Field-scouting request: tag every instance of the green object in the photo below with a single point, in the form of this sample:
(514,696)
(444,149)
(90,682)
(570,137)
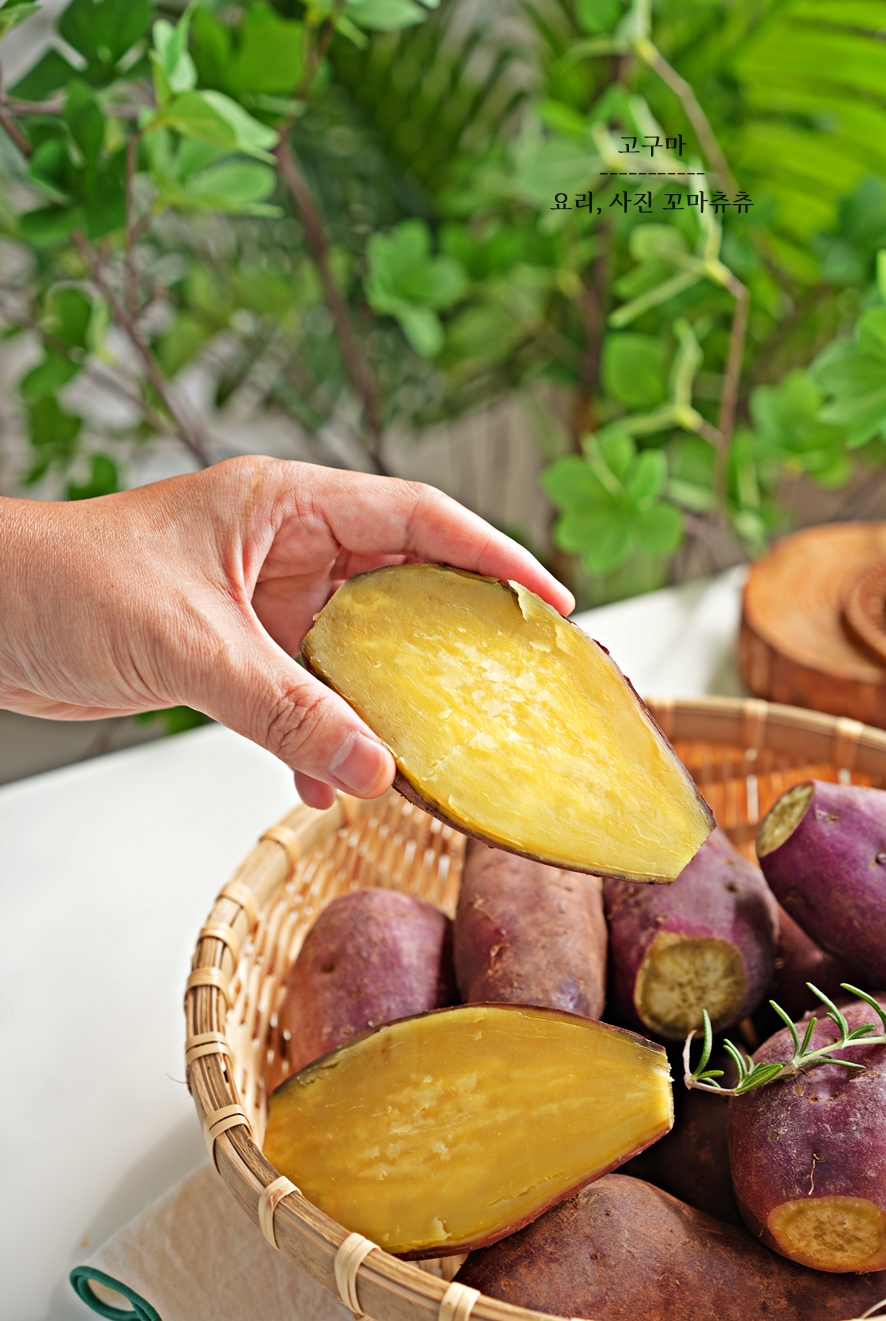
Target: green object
(82,1279)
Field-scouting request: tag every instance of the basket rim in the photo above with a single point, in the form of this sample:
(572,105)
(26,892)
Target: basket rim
(389,1287)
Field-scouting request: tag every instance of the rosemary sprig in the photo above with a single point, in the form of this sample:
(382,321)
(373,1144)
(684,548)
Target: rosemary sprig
(751,1075)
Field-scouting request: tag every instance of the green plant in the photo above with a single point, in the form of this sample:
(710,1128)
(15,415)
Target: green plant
(348,208)
(751,1075)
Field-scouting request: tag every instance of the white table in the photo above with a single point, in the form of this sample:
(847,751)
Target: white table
(107,872)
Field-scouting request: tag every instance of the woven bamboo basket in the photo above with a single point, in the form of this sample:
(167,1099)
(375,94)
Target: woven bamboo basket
(743,755)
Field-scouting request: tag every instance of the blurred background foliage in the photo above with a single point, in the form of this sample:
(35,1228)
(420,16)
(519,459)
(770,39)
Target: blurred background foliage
(348,210)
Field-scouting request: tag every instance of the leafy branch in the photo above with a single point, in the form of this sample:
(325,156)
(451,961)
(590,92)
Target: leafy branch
(751,1075)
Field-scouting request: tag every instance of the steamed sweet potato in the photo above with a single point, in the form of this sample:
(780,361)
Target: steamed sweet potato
(705,942)
(822,848)
(529,934)
(808,1154)
(447,1131)
(799,960)
(621,1250)
(371,956)
(507,722)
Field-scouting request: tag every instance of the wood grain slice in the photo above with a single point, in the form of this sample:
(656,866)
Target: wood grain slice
(794,646)
(864,609)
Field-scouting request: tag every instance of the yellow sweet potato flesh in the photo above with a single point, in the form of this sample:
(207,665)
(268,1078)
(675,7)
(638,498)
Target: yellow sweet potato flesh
(447,1131)
(508,721)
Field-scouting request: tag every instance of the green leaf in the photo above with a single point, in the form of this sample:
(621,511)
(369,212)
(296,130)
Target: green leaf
(214,118)
(104,479)
(51,72)
(51,224)
(544,166)
(171,54)
(385,15)
(658,530)
(633,369)
(616,448)
(180,342)
(69,314)
(662,243)
(47,377)
(872,334)
(84,118)
(14,12)
(569,484)
(601,536)
(421,326)
(239,187)
(53,433)
(269,56)
(598,15)
(647,477)
(104,32)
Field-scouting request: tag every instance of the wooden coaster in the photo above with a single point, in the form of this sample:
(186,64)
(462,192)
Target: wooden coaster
(864,609)
(794,645)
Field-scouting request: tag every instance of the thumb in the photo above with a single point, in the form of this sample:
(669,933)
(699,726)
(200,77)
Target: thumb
(266,696)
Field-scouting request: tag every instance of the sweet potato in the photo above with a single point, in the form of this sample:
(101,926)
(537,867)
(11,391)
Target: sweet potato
(822,848)
(808,1154)
(705,942)
(625,1251)
(799,960)
(447,1131)
(529,934)
(507,722)
(371,956)
(692,1161)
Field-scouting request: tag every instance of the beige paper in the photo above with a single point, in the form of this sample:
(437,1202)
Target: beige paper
(194,1256)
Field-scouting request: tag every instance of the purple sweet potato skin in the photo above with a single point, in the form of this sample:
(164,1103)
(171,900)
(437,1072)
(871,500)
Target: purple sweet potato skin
(625,1251)
(799,960)
(822,1134)
(830,875)
(526,933)
(371,957)
(719,894)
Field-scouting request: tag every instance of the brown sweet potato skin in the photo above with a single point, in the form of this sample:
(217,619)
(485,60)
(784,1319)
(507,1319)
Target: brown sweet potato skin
(372,956)
(526,933)
(625,1251)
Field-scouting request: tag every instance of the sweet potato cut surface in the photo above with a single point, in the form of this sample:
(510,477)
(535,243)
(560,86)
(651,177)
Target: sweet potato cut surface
(808,1154)
(529,934)
(450,1130)
(622,1250)
(508,722)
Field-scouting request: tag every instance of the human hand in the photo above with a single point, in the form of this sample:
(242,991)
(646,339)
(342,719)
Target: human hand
(199,590)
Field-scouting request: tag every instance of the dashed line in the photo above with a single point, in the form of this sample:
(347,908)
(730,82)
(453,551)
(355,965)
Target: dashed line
(619,174)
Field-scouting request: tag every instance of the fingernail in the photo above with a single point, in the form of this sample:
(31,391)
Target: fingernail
(359,763)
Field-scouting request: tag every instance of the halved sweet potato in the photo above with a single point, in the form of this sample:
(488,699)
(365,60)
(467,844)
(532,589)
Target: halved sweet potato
(506,721)
(450,1130)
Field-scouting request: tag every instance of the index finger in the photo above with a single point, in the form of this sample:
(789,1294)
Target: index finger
(394,517)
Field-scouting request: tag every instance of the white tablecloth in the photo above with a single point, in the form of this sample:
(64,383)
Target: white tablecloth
(107,872)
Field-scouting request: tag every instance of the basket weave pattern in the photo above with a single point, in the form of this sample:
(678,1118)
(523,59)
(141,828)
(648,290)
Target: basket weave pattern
(743,755)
